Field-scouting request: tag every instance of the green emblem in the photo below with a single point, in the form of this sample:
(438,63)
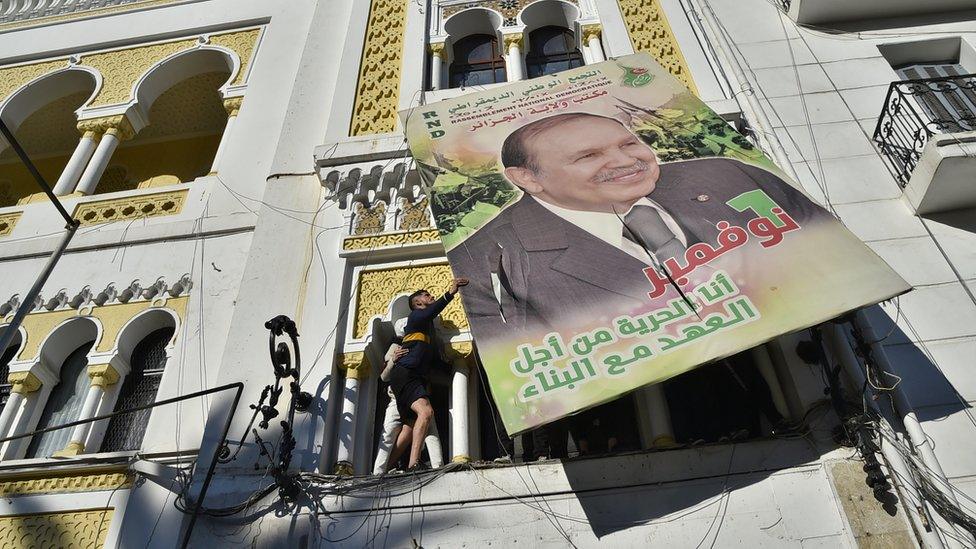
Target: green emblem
(637,77)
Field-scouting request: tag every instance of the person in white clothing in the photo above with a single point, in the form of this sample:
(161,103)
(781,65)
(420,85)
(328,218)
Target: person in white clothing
(391,419)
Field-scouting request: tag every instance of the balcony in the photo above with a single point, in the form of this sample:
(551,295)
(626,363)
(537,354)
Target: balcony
(820,12)
(927,137)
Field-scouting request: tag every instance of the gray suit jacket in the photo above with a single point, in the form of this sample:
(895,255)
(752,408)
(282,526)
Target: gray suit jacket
(548,268)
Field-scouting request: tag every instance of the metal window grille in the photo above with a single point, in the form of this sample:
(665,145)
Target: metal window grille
(148,362)
(935,99)
(5,386)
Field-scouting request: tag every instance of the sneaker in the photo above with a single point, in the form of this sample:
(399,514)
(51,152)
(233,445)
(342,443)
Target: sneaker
(503,460)
(419,467)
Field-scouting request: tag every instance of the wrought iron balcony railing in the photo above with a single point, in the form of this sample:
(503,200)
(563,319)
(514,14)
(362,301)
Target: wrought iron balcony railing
(915,110)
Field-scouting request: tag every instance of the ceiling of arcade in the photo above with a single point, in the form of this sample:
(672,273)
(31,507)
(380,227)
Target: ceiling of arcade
(35,133)
(191,107)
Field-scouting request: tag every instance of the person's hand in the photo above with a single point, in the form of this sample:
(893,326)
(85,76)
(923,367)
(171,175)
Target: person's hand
(400,353)
(457,283)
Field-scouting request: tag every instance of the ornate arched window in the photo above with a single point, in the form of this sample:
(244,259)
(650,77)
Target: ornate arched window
(63,404)
(552,49)
(477,61)
(148,361)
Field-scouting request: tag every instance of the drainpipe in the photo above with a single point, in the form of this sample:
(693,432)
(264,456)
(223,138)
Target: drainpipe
(840,348)
(920,441)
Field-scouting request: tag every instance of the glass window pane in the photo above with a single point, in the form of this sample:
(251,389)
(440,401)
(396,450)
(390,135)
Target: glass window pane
(63,405)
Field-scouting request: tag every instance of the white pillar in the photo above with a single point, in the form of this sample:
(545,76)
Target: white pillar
(117,130)
(460,450)
(591,37)
(436,65)
(23,384)
(356,366)
(102,376)
(10,410)
(233,106)
(76,164)
(760,356)
(657,415)
(514,65)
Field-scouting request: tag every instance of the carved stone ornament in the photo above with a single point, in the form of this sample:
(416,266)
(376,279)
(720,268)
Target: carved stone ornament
(649,31)
(378,288)
(378,91)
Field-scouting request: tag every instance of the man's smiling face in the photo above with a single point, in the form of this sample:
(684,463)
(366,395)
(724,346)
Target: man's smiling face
(589,163)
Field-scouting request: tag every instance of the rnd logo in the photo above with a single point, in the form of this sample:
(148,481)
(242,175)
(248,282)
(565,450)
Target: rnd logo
(432,124)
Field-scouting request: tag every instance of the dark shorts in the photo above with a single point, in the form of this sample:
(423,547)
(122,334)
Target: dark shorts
(408,387)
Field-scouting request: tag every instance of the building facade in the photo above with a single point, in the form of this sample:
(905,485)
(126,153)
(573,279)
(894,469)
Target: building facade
(234,160)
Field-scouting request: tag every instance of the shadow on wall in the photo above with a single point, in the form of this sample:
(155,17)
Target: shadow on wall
(928,390)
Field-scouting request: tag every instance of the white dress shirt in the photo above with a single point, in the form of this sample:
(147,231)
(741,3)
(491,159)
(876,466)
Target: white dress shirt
(607,226)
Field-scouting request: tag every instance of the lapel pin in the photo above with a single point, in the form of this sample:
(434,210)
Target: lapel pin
(702,198)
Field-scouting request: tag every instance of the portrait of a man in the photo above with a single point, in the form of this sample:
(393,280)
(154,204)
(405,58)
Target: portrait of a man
(598,208)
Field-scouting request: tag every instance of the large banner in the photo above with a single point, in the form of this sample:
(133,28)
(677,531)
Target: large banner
(617,232)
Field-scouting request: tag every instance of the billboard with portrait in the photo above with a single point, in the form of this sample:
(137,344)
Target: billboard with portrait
(617,232)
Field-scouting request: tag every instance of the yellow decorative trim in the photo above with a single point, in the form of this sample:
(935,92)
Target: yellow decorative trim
(120,69)
(591,30)
(64,529)
(12,78)
(64,483)
(112,317)
(514,39)
(387,240)
(8,221)
(663,441)
(243,43)
(233,105)
(356,365)
(461,458)
(437,48)
(74,448)
(132,207)
(117,125)
(343,469)
(413,215)
(376,289)
(462,349)
(102,375)
(649,31)
(378,89)
(23,382)
(85,14)
(369,220)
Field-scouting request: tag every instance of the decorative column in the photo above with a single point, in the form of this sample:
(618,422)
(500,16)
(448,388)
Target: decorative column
(23,383)
(356,366)
(436,64)
(115,129)
(233,106)
(463,358)
(654,406)
(760,356)
(514,65)
(102,376)
(591,37)
(76,164)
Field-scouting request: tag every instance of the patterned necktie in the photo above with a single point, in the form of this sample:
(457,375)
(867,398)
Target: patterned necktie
(645,227)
